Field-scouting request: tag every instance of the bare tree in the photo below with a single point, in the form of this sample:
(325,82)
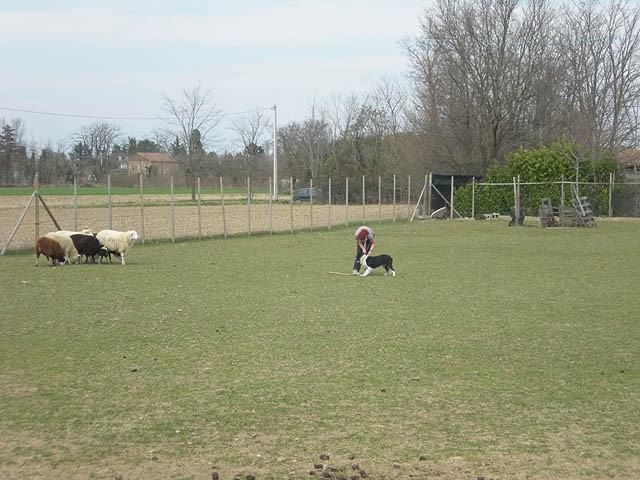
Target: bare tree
(602,55)
(250,130)
(391,97)
(476,68)
(493,75)
(341,113)
(306,145)
(193,120)
(18,126)
(98,140)
(162,138)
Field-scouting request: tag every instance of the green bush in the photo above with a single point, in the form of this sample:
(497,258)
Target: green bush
(539,172)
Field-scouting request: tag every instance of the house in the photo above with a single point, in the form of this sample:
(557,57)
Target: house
(629,159)
(157,164)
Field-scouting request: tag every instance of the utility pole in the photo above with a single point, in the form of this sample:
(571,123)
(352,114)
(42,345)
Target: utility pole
(275,152)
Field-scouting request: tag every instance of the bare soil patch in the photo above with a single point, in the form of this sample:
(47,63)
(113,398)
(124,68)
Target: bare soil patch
(156,219)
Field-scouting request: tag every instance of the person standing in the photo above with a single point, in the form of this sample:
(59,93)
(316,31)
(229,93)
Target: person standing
(365,241)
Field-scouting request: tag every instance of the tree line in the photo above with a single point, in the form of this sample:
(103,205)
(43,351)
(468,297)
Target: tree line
(485,78)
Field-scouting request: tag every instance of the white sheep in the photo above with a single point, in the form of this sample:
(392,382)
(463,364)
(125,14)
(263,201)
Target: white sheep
(117,242)
(64,239)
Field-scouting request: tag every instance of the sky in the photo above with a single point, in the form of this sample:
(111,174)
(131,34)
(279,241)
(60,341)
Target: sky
(77,62)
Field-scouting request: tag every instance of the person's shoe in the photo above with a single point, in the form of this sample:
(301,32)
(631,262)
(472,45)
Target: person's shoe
(355,272)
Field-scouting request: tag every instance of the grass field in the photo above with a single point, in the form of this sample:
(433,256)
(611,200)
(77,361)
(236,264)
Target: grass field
(496,352)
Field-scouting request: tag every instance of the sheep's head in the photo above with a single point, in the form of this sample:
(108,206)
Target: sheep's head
(133,235)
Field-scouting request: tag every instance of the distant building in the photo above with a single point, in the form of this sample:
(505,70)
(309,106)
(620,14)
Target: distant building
(629,159)
(152,164)
(123,163)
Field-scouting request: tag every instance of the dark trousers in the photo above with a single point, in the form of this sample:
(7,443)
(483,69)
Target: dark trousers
(356,262)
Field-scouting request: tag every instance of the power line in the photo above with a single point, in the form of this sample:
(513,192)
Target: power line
(103,117)
(72,115)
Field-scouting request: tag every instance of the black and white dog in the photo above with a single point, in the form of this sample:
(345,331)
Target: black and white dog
(375,261)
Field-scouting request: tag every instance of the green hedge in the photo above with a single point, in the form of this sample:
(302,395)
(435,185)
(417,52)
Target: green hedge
(545,166)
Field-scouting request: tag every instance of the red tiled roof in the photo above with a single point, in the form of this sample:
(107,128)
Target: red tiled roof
(153,158)
(629,157)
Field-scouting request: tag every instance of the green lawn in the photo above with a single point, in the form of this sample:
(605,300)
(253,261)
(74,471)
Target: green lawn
(495,352)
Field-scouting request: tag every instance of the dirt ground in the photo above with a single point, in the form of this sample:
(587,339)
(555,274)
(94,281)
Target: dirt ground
(318,466)
(22,221)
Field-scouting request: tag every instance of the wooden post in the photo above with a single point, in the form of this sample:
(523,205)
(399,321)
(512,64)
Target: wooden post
(425,207)
(141,207)
(408,196)
(429,192)
(15,229)
(199,210)
(379,199)
(346,202)
(36,182)
(172,216)
(224,216)
(329,206)
(272,195)
(249,206)
(75,200)
(364,195)
(311,204)
(394,198)
(109,202)
(451,199)
(516,195)
(473,197)
(291,204)
(611,185)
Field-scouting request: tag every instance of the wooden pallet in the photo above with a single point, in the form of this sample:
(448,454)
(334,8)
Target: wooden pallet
(583,209)
(547,213)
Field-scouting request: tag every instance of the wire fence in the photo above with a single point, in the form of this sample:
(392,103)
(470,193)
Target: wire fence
(257,209)
(174,217)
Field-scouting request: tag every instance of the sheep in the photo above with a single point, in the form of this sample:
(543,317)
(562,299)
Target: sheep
(117,242)
(107,254)
(65,241)
(72,252)
(88,245)
(104,253)
(51,249)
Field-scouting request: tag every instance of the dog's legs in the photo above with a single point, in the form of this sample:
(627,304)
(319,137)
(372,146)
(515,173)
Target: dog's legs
(367,271)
